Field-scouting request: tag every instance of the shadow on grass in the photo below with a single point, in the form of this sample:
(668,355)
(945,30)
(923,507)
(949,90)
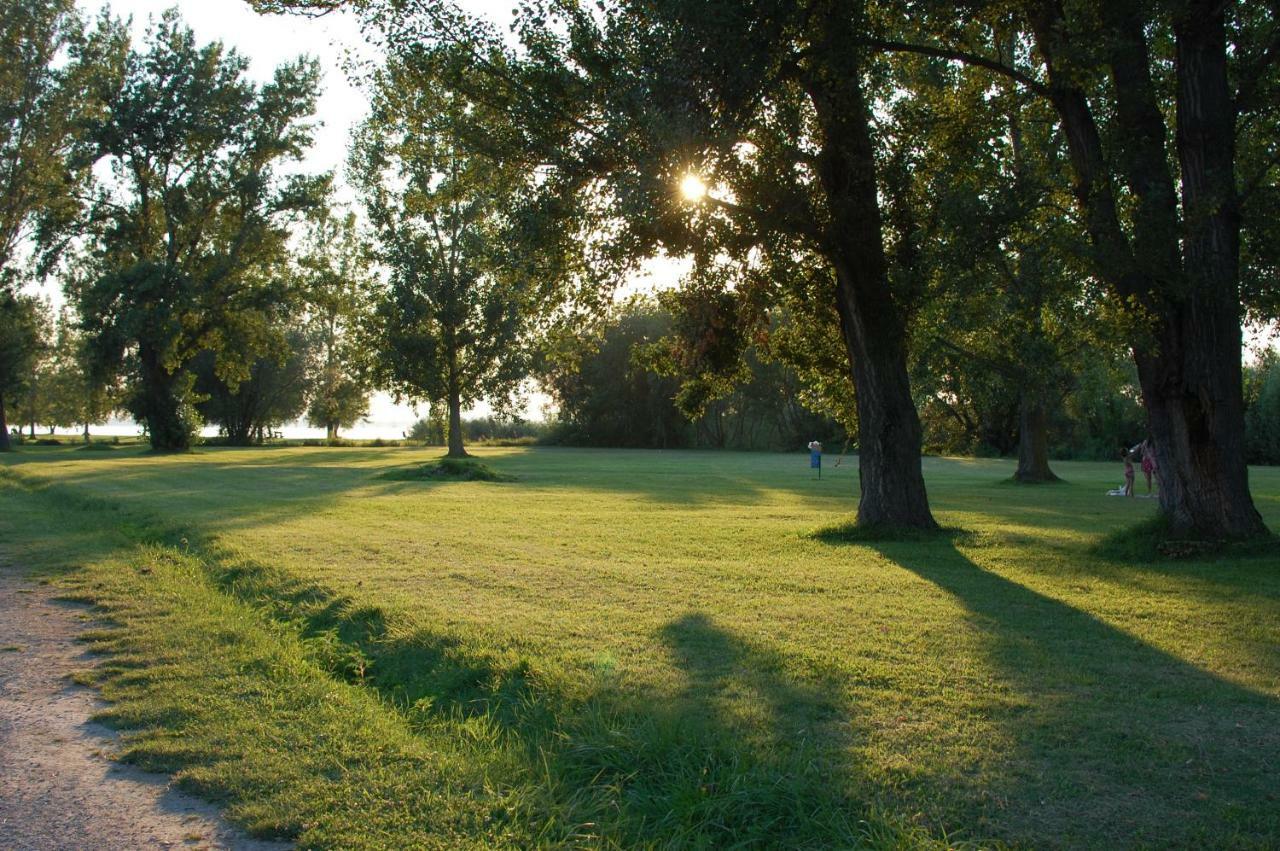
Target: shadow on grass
(1117,739)
(686,772)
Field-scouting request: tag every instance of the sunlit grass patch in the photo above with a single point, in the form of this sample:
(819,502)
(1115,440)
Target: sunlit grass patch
(637,649)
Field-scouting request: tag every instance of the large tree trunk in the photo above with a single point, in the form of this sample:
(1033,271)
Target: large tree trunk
(1033,441)
(161,405)
(456,449)
(872,321)
(1187,308)
(331,430)
(1197,413)
(86,432)
(5,443)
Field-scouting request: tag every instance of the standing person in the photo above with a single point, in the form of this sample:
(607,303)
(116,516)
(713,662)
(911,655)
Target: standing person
(1148,461)
(815,456)
(1128,472)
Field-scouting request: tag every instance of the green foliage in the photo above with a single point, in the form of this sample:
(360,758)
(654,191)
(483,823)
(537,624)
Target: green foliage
(457,320)
(274,393)
(187,248)
(337,286)
(51,78)
(1262,417)
(628,382)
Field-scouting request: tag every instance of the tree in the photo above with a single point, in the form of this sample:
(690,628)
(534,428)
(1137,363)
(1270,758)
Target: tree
(456,322)
(337,283)
(188,247)
(1008,318)
(22,332)
(1153,99)
(619,105)
(77,395)
(50,71)
(48,67)
(273,393)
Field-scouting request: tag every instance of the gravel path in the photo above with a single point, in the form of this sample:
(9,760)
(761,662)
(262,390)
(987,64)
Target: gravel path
(58,786)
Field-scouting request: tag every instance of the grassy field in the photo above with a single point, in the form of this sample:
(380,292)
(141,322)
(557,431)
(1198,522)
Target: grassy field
(662,649)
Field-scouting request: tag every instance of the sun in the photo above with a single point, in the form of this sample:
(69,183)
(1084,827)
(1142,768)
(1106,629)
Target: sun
(692,188)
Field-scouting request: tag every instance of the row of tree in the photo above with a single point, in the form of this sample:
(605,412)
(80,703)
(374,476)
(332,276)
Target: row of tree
(878,197)
(1060,172)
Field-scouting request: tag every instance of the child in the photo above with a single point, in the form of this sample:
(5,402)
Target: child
(1148,462)
(1128,473)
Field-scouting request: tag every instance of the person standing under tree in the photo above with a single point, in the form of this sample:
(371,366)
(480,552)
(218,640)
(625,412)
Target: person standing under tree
(1148,452)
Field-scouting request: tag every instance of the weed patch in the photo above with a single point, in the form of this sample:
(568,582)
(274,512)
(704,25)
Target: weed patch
(449,469)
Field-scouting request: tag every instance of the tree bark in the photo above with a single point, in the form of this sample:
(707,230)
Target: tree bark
(331,430)
(1033,442)
(86,432)
(456,449)
(873,323)
(5,443)
(162,408)
(1187,302)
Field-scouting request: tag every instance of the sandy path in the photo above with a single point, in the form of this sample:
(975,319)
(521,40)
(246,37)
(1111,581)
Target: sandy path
(58,786)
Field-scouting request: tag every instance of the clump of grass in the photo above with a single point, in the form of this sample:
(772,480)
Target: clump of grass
(449,469)
(852,533)
(97,447)
(1153,540)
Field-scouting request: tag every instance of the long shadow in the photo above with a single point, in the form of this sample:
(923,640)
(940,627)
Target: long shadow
(1115,738)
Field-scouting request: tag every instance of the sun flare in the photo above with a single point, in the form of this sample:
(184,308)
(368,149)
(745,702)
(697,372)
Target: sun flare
(692,187)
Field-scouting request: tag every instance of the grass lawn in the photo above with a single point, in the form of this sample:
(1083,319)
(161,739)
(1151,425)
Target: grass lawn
(629,648)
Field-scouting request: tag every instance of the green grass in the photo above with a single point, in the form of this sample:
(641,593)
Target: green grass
(663,649)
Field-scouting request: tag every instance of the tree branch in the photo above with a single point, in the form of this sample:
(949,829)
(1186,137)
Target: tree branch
(964,56)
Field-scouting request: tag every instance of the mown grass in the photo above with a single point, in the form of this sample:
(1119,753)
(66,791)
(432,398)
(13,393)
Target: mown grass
(666,649)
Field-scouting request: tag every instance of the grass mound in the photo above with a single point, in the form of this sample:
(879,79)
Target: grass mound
(449,469)
(97,447)
(852,533)
(1152,540)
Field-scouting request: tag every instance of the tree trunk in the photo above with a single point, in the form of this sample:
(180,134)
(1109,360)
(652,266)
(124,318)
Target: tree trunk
(331,430)
(456,449)
(162,408)
(872,322)
(86,432)
(1033,442)
(1188,345)
(5,443)
(1197,408)
(31,426)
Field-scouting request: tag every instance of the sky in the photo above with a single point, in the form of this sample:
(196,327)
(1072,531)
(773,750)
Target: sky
(268,41)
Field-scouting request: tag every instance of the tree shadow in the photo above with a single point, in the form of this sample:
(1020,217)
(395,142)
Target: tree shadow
(1114,737)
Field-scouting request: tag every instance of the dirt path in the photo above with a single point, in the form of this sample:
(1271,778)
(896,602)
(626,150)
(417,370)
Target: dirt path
(58,785)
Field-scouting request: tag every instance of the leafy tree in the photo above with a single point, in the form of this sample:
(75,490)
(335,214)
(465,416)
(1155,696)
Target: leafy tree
(22,342)
(273,393)
(620,104)
(337,283)
(1153,99)
(188,246)
(48,69)
(456,322)
(50,72)
(1262,416)
(77,394)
